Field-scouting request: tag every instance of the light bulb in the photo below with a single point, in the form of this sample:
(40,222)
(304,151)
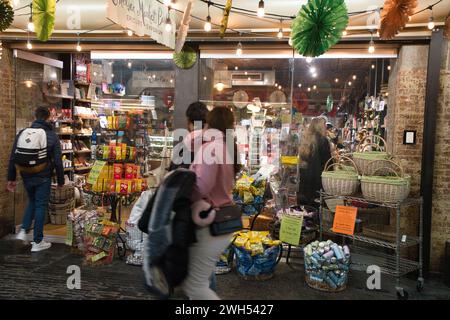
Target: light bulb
(309,89)
(389,68)
(261,9)
(314,75)
(205,78)
(309,60)
(208,24)
(431,23)
(349,83)
(373,66)
(336,80)
(276,84)
(236,68)
(167,2)
(280,87)
(344,33)
(280,34)
(29,45)
(129,64)
(112,75)
(130,33)
(239,49)
(168,26)
(314,87)
(313,70)
(354,77)
(290,41)
(299,85)
(220,86)
(371,47)
(78,47)
(30,25)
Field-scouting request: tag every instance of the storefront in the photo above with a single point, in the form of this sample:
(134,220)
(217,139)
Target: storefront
(116,103)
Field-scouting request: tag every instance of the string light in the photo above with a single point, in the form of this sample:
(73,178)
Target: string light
(78,46)
(290,41)
(220,86)
(239,49)
(280,32)
(208,26)
(236,68)
(313,70)
(389,68)
(349,83)
(354,77)
(130,64)
(168,26)
(299,85)
(309,60)
(261,12)
(431,23)
(371,44)
(30,25)
(373,66)
(130,33)
(344,33)
(336,80)
(314,87)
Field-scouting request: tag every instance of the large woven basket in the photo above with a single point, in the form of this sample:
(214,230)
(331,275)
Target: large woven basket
(363,157)
(62,194)
(386,189)
(341,182)
(59,211)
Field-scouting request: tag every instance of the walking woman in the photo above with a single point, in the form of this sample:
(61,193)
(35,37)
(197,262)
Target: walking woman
(314,154)
(215,181)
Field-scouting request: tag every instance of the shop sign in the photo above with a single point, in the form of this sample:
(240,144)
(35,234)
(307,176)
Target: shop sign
(143,17)
(344,220)
(160,79)
(291,229)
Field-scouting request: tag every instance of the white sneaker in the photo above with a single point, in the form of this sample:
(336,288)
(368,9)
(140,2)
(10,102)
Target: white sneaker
(22,235)
(40,246)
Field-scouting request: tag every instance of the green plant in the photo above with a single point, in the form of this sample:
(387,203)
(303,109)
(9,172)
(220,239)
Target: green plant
(186,58)
(44,18)
(319,26)
(6,15)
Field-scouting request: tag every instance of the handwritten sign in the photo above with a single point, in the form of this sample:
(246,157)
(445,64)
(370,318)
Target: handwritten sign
(291,229)
(344,220)
(143,17)
(95,171)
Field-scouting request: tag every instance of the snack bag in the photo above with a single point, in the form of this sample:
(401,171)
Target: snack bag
(105,152)
(123,187)
(133,186)
(112,153)
(124,151)
(118,170)
(129,171)
(129,186)
(106,185)
(138,186)
(118,184)
(119,153)
(135,171)
(112,186)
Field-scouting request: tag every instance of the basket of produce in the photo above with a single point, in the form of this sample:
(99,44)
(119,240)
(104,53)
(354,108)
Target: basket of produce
(342,181)
(379,187)
(256,255)
(364,155)
(326,266)
(309,226)
(59,211)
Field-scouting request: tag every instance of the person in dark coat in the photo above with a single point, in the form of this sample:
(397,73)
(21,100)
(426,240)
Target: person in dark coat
(38,185)
(314,154)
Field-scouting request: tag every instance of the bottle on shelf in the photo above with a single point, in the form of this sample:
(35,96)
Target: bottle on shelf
(93,145)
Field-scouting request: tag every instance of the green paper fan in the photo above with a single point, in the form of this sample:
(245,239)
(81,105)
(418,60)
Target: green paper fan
(186,58)
(44,18)
(6,15)
(319,26)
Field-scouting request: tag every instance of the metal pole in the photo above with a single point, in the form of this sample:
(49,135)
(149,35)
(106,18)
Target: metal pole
(429,138)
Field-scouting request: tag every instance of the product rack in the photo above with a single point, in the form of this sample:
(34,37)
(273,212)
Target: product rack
(390,264)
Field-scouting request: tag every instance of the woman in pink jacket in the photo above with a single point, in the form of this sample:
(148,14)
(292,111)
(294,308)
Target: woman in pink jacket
(216,166)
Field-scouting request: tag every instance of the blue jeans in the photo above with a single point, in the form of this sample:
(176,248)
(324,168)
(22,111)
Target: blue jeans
(213,282)
(38,190)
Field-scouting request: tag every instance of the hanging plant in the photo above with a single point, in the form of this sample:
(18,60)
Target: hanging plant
(395,16)
(6,15)
(226,15)
(319,26)
(186,58)
(44,18)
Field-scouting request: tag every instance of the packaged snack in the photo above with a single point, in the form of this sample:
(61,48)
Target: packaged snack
(135,171)
(106,231)
(130,186)
(106,152)
(124,151)
(118,170)
(118,183)
(108,245)
(138,185)
(132,153)
(133,186)
(110,122)
(99,256)
(112,186)
(119,153)
(129,171)
(106,185)
(124,187)
(112,154)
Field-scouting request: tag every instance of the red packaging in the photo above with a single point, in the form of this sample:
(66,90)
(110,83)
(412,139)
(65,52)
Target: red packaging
(135,171)
(129,171)
(118,170)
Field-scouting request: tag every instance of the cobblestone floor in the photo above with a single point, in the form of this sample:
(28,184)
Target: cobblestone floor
(42,275)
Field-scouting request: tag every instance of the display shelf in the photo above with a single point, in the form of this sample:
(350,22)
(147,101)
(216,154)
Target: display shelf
(66,151)
(363,257)
(82,168)
(68,169)
(393,205)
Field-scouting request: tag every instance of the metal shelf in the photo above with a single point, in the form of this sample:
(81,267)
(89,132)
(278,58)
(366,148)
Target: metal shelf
(362,258)
(407,202)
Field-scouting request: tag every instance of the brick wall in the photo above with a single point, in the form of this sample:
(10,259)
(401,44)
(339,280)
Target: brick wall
(7,129)
(441,189)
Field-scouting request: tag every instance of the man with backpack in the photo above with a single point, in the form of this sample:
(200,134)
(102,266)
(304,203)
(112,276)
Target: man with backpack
(36,153)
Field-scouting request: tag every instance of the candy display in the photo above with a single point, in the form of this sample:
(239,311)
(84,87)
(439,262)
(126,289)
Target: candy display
(249,191)
(113,152)
(256,254)
(76,222)
(119,178)
(100,240)
(327,265)
(225,262)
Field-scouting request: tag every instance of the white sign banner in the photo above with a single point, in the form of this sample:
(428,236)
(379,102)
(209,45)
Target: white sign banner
(143,17)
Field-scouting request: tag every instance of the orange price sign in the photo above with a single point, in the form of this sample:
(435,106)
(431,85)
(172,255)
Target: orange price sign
(344,220)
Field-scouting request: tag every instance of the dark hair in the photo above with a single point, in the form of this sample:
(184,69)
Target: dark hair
(222,119)
(42,113)
(197,111)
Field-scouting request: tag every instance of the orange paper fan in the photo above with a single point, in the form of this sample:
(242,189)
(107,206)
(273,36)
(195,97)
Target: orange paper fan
(395,16)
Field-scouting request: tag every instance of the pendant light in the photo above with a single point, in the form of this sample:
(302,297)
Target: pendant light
(239,49)
(371,44)
(208,26)
(431,23)
(261,12)
(280,31)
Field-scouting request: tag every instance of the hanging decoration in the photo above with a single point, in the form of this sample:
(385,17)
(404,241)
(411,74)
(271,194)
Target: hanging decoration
(319,26)
(184,27)
(226,15)
(44,18)
(186,58)
(6,15)
(395,16)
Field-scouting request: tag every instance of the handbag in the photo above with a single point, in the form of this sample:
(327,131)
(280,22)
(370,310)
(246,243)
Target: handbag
(228,220)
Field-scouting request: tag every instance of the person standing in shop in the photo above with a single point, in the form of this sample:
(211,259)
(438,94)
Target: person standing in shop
(314,154)
(215,180)
(196,119)
(41,142)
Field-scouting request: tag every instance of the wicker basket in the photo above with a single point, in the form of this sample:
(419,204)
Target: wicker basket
(340,182)
(386,189)
(62,194)
(363,158)
(59,211)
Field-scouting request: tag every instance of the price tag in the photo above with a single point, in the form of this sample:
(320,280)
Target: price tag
(344,220)
(95,171)
(291,229)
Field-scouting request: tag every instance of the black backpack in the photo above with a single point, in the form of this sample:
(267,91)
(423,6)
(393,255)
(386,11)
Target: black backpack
(171,231)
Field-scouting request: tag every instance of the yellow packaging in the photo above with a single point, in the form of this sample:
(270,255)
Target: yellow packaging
(240,242)
(119,153)
(257,248)
(138,185)
(106,184)
(118,183)
(124,151)
(110,122)
(130,185)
